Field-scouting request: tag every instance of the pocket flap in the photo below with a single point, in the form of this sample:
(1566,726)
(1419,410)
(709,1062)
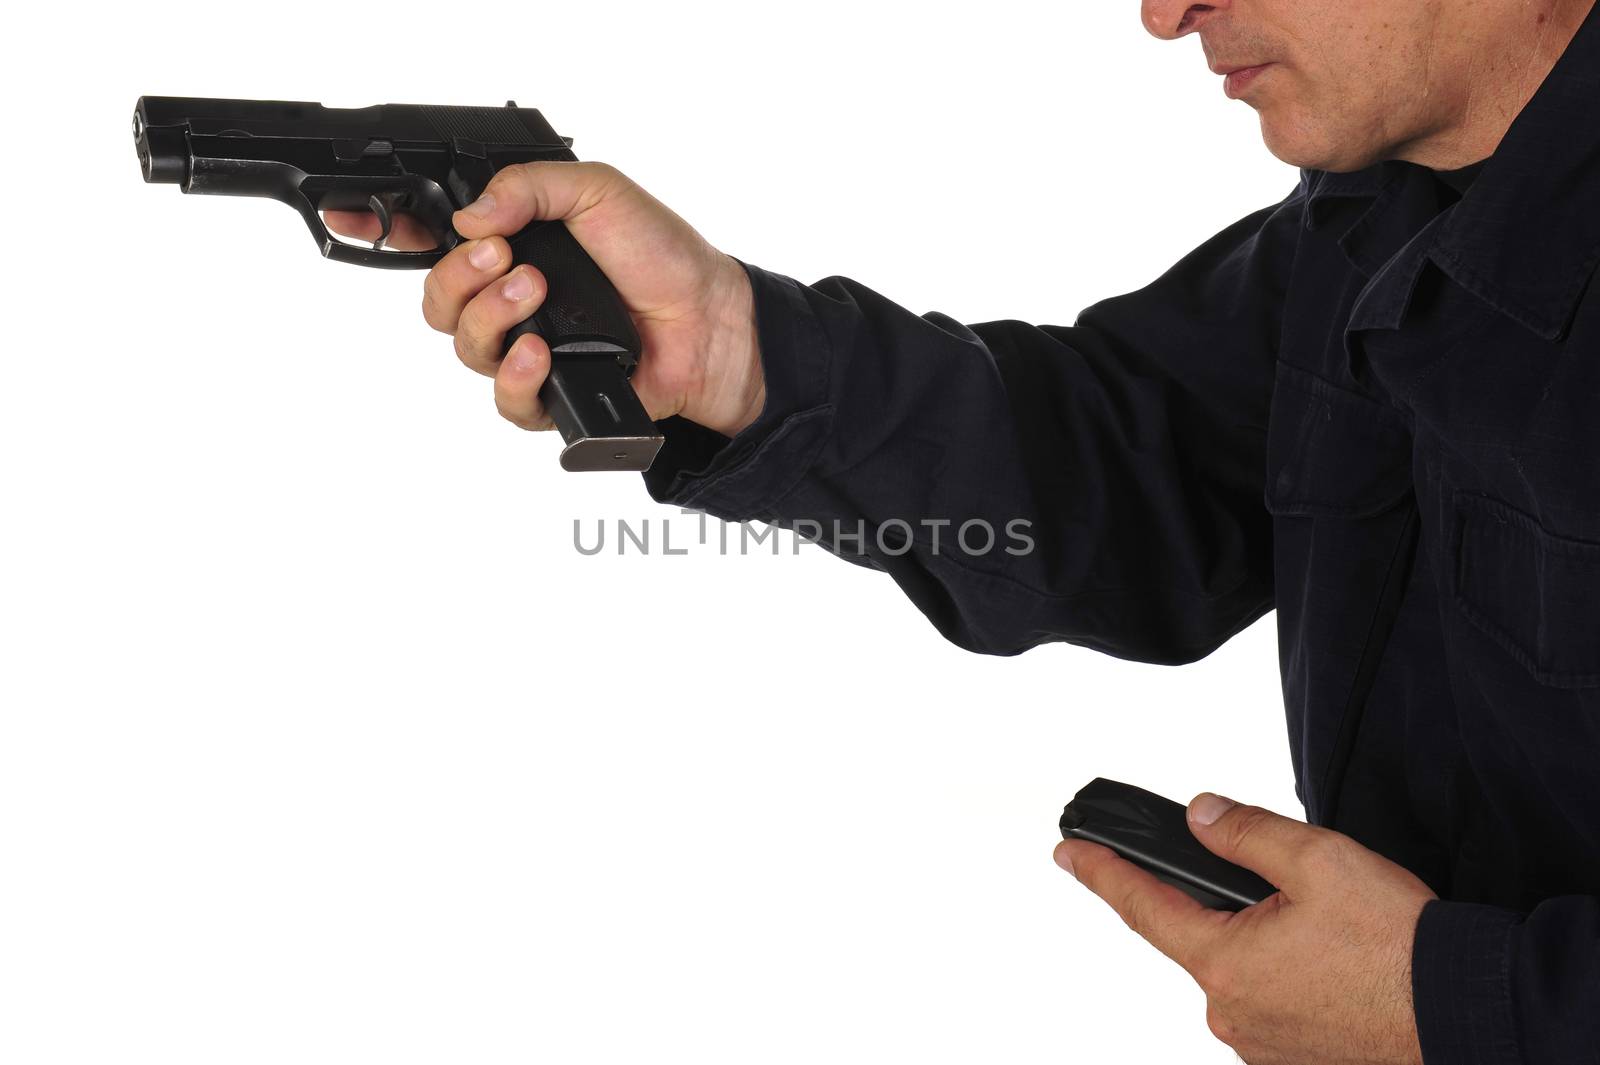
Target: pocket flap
(1332,452)
(1534,593)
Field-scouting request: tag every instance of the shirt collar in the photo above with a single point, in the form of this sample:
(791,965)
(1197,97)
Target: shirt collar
(1525,238)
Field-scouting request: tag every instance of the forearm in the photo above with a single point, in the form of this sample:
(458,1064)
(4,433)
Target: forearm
(1008,477)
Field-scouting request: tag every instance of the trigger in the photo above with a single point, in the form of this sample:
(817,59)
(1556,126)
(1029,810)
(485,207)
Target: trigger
(383,204)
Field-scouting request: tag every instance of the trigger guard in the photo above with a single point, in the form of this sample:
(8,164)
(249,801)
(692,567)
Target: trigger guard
(340,252)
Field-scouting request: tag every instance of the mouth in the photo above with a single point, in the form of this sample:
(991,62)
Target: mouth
(1236,79)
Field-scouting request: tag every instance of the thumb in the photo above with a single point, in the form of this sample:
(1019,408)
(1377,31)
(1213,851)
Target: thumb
(545,190)
(1272,846)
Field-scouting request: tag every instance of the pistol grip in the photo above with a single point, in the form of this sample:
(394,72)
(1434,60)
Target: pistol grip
(594,348)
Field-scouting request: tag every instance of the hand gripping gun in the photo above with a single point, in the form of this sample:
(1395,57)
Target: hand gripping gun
(425,162)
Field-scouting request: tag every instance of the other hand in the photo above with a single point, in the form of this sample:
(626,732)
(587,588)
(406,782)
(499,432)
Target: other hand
(1319,972)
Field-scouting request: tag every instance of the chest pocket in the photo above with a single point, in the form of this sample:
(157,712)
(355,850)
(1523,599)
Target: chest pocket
(1332,453)
(1339,487)
(1532,592)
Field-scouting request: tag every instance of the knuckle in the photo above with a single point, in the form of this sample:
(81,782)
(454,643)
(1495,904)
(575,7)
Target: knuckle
(467,321)
(1217,980)
(1219,1024)
(432,312)
(611,183)
(516,172)
(507,409)
(470,334)
(470,350)
(1133,916)
(1323,853)
(1247,822)
(522,416)
(1204,972)
(536,183)
(520,180)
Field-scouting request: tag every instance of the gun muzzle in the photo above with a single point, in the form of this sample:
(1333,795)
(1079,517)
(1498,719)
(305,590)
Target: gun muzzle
(163,152)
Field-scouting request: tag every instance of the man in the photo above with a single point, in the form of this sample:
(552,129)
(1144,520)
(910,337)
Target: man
(1374,405)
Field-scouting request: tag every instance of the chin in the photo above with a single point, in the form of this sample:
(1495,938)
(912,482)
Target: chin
(1304,144)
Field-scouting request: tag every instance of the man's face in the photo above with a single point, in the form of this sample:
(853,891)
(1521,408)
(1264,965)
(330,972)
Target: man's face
(1338,84)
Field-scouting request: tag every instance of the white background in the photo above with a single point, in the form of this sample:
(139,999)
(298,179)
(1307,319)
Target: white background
(321,743)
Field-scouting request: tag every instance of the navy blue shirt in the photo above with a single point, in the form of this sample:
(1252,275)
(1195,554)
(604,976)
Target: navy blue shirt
(1374,406)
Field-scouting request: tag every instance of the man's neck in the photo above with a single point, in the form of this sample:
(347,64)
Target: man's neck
(1498,65)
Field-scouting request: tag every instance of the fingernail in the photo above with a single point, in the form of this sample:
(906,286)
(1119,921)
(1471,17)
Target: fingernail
(1207,807)
(482,207)
(1064,859)
(523,358)
(484,255)
(518,287)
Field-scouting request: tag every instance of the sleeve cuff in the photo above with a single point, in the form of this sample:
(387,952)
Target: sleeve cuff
(743,477)
(1461,984)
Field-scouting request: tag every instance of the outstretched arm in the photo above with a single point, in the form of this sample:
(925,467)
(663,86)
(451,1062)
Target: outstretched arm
(1129,446)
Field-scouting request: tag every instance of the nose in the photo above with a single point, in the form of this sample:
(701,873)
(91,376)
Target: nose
(1171,19)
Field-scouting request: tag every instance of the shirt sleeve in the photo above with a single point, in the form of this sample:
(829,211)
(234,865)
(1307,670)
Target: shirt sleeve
(1099,483)
(1491,986)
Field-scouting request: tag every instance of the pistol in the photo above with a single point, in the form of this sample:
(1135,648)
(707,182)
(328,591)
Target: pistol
(426,162)
(1152,832)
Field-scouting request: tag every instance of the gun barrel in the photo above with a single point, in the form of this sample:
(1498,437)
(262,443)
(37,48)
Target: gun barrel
(171,133)
(163,152)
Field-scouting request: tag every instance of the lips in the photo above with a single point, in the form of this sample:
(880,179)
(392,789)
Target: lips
(1237,77)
